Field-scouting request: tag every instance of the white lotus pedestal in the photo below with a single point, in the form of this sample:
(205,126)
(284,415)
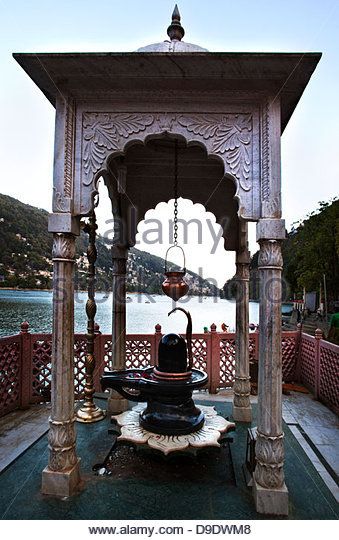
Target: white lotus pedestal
(205,437)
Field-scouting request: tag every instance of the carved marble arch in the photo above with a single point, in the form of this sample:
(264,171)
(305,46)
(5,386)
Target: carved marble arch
(143,176)
(228,138)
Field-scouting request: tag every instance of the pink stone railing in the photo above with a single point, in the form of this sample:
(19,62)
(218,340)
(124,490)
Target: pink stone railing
(318,369)
(25,363)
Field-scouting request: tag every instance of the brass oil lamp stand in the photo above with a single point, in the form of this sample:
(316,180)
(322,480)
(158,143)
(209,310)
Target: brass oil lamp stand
(90,412)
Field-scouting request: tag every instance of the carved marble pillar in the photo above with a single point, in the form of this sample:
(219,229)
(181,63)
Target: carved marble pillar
(116,403)
(270,492)
(242,411)
(61,477)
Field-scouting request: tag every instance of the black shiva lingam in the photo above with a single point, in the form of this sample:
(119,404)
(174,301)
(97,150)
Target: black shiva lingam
(167,388)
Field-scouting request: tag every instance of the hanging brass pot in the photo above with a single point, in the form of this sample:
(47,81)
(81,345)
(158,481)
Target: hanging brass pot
(174,285)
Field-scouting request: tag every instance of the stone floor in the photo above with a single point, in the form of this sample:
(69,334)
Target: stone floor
(19,430)
(313,426)
(316,428)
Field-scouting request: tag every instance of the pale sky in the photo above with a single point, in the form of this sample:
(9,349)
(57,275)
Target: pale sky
(310,165)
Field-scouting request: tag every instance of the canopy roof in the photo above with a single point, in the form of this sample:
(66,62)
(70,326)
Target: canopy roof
(80,74)
(172,65)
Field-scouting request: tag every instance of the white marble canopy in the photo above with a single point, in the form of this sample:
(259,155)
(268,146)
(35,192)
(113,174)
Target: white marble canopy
(117,115)
(233,105)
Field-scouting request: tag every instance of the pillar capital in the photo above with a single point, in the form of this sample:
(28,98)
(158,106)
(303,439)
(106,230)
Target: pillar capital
(242,263)
(64,223)
(270,254)
(63,247)
(243,272)
(271,229)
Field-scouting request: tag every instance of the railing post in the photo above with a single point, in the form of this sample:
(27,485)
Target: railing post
(157,339)
(215,360)
(297,372)
(209,359)
(318,336)
(26,366)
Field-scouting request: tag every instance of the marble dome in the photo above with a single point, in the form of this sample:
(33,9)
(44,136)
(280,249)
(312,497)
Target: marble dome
(172,46)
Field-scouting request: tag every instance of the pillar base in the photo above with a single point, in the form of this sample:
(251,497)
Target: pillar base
(242,414)
(61,483)
(117,404)
(270,501)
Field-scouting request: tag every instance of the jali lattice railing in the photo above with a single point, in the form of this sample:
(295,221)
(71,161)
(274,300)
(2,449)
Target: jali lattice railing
(319,369)
(25,362)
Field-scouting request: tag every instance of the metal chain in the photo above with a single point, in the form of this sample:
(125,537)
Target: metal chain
(176,193)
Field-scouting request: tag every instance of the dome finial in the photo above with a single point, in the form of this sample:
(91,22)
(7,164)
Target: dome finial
(175,31)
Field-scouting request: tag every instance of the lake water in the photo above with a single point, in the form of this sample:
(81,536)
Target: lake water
(143,312)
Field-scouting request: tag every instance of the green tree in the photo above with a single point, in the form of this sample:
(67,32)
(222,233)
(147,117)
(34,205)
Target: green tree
(310,251)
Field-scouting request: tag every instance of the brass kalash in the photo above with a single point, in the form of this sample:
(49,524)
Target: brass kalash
(167,387)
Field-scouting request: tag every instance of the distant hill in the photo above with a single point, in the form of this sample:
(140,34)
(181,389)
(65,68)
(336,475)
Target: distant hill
(26,260)
(310,254)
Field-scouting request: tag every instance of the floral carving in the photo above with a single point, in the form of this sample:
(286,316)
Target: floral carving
(58,201)
(269,453)
(102,131)
(60,460)
(61,434)
(269,449)
(270,254)
(63,246)
(231,136)
(242,390)
(269,476)
(61,441)
(165,121)
(272,207)
(206,436)
(243,271)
